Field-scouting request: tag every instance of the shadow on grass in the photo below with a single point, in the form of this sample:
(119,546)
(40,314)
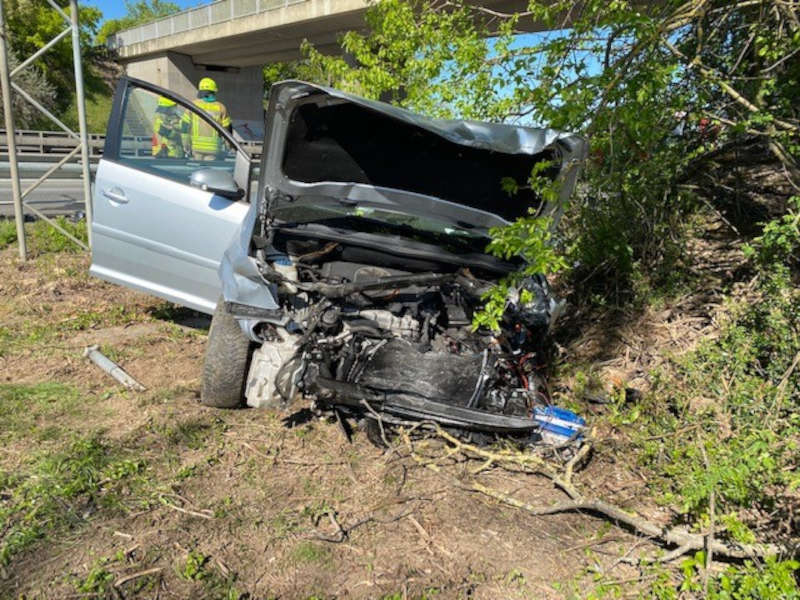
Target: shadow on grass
(180,315)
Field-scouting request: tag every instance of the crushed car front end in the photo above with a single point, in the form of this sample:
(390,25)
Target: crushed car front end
(362,263)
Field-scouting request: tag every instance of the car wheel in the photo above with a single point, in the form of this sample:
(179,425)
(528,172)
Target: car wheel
(228,354)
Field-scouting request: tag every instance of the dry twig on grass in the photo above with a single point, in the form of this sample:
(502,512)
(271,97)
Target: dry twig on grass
(133,576)
(186,511)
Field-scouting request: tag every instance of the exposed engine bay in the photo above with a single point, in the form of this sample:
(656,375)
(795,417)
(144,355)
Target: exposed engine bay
(377,341)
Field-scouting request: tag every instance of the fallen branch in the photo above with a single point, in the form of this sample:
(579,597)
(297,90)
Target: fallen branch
(133,576)
(562,478)
(533,463)
(686,541)
(726,87)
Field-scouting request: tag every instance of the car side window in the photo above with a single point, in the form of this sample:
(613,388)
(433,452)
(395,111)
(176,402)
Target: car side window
(170,140)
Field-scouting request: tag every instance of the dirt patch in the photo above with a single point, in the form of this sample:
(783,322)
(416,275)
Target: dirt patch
(408,530)
(118,335)
(226,503)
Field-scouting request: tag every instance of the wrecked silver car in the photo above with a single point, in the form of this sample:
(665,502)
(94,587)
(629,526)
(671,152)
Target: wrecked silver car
(350,266)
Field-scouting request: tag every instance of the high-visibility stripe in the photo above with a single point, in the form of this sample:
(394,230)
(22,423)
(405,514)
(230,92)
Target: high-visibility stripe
(202,143)
(216,110)
(204,136)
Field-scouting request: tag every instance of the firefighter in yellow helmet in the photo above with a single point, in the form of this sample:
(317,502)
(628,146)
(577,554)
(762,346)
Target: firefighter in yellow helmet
(205,141)
(167,141)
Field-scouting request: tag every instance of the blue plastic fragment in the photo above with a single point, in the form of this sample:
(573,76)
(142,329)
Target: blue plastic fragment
(559,425)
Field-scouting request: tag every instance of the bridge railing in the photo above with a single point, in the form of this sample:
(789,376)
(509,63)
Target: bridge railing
(195,18)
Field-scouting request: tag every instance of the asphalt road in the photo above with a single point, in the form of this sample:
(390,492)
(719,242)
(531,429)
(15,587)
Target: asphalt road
(53,197)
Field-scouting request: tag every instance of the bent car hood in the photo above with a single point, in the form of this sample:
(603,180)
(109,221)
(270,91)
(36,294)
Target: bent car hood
(331,153)
(325,145)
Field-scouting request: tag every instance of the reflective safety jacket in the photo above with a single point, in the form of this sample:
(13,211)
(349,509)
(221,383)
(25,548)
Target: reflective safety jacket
(167,140)
(204,137)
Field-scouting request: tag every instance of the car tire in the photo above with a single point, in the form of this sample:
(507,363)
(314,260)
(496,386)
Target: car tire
(228,354)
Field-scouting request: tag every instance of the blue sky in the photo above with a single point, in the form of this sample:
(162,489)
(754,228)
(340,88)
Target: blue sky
(113,9)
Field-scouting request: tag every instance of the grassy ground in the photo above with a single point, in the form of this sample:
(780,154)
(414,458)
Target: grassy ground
(109,493)
(106,493)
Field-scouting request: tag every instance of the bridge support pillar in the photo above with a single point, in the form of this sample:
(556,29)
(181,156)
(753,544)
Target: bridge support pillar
(241,89)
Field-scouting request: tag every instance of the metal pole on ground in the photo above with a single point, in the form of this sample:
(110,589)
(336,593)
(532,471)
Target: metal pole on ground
(5,84)
(80,101)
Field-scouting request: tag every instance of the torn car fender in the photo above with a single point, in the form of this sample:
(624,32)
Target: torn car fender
(239,275)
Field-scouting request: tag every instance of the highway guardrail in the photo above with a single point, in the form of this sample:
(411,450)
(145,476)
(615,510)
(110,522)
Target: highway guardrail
(38,150)
(58,142)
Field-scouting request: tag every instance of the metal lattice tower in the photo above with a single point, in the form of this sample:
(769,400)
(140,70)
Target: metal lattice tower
(7,84)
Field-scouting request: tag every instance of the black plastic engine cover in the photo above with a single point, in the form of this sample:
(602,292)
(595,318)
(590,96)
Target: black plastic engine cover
(398,367)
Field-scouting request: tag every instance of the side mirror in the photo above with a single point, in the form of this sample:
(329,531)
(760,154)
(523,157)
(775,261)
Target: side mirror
(216,181)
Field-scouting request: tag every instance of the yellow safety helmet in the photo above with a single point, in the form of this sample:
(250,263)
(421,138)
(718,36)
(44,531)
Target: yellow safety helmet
(166,102)
(207,85)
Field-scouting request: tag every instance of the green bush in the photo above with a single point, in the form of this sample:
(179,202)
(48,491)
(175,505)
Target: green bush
(665,97)
(728,419)
(771,579)
(724,423)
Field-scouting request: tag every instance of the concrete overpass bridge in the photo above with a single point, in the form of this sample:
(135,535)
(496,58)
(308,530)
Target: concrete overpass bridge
(230,40)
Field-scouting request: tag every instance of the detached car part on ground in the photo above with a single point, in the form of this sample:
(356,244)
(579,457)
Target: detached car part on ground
(353,277)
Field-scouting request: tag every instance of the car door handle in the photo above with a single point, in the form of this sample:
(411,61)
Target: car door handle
(115,194)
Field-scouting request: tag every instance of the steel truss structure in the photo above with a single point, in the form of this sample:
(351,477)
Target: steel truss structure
(7,84)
